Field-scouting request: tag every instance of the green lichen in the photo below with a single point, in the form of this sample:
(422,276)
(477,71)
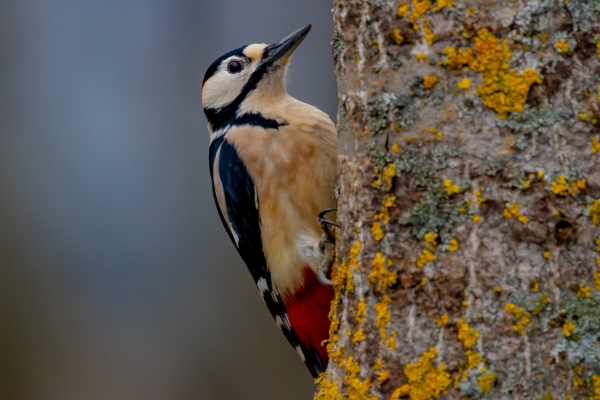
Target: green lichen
(493,165)
(376,116)
(517,179)
(479,383)
(379,106)
(434,213)
(531,119)
(583,345)
(584,13)
(337,46)
(379,155)
(563,181)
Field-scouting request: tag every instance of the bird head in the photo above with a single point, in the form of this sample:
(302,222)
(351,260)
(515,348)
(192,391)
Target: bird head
(247,79)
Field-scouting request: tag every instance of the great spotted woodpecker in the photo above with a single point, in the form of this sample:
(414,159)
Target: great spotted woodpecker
(273,168)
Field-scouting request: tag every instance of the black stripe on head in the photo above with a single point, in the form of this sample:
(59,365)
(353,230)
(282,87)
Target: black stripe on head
(215,65)
(221,117)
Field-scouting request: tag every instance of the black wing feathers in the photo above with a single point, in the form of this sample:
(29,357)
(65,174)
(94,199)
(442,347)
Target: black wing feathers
(242,211)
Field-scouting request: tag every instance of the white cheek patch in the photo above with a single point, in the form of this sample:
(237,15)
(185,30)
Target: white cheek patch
(222,88)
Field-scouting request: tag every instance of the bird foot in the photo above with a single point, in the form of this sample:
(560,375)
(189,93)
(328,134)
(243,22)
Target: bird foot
(326,245)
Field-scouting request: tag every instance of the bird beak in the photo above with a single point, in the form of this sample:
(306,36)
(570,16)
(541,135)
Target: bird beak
(283,49)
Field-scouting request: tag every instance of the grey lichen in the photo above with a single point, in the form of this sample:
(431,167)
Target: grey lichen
(379,106)
(531,119)
(471,388)
(434,212)
(585,13)
(583,344)
(404,110)
(337,45)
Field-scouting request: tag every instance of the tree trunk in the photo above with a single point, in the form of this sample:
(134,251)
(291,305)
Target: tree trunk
(469,253)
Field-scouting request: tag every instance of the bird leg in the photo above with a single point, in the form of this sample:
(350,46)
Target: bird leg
(326,245)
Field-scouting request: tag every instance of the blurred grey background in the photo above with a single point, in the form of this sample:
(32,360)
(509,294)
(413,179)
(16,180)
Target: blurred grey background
(117,280)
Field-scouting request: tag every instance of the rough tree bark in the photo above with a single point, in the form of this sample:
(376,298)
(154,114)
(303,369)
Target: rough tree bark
(469,254)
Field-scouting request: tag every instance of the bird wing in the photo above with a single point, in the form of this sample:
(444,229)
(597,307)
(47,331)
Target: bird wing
(235,196)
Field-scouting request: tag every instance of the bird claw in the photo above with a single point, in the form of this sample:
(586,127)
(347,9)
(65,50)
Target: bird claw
(323,279)
(326,224)
(327,245)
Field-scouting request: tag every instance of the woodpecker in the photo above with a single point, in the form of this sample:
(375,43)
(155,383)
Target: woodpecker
(272,162)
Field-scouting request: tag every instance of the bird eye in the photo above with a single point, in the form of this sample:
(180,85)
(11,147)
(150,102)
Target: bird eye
(234,67)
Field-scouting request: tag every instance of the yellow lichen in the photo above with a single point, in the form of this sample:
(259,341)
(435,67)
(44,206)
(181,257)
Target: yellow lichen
(420,7)
(595,145)
(396,148)
(597,280)
(476,218)
(497,289)
(425,257)
(428,254)
(453,246)
(456,59)
(430,238)
(342,276)
(328,390)
(357,389)
(358,336)
(486,382)
(380,276)
(464,84)
(473,359)
(594,212)
(584,291)
(443,320)
(471,11)
(429,35)
(383,315)
(525,184)
(388,174)
(512,211)
(354,252)
(403,10)
(429,81)
(467,335)
(536,287)
(425,381)
(361,311)
(424,281)
(568,328)
(546,254)
(562,188)
(562,47)
(451,187)
(443,4)
(391,342)
(376,231)
(398,38)
(522,317)
(421,56)
(503,90)
(595,385)
(382,377)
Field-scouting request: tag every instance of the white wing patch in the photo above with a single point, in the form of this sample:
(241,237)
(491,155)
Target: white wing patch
(262,286)
(283,322)
(301,353)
